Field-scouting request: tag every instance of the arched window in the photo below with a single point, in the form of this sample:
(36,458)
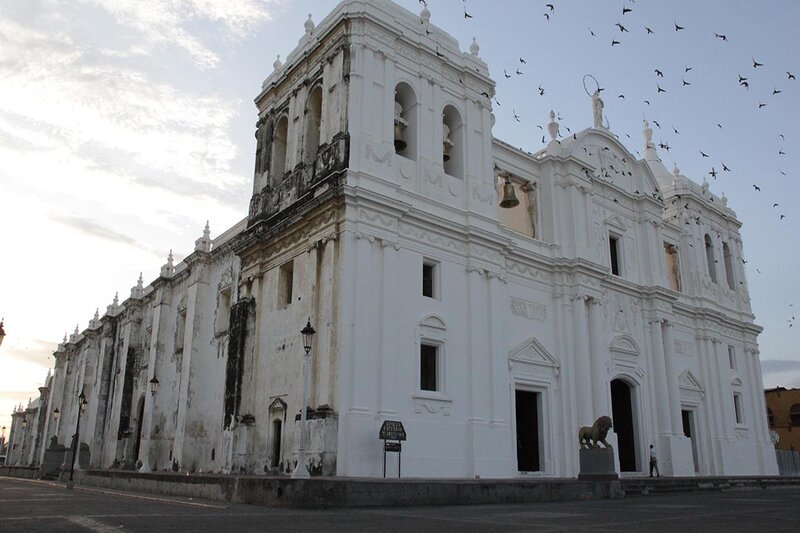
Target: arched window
(452,142)
(405,121)
(311,133)
(794,414)
(278,168)
(712,267)
(770,418)
(726,254)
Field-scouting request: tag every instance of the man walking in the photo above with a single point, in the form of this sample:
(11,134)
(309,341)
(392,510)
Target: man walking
(653,462)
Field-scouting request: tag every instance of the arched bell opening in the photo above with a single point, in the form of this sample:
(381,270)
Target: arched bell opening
(452,142)
(405,121)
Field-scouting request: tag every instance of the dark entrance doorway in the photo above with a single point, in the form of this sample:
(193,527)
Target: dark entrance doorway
(688,430)
(276,443)
(622,413)
(527,406)
(139,425)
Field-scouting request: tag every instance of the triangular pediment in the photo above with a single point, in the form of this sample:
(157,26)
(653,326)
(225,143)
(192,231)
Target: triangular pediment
(624,344)
(618,222)
(737,382)
(688,382)
(532,351)
(277,405)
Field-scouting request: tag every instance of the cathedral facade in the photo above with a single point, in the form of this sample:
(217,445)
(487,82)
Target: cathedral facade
(492,333)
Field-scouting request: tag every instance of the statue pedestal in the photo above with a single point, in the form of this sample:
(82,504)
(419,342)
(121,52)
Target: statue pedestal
(597,464)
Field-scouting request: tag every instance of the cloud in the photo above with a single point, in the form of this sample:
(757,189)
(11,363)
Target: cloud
(33,351)
(774,366)
(163,23)
(92,228)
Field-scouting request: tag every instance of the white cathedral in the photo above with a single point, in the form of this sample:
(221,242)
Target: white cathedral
(492,333)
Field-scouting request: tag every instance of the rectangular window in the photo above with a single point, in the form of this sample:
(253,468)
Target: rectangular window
(613,246)
(737,407)
(180,330)
(429,279)
(285,281)
(673,266)
(428,366)
(732,357)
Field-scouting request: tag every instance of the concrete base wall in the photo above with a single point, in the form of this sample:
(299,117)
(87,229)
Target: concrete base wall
(341,492)
(25,472)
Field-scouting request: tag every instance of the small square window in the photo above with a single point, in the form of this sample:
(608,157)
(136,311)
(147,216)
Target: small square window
(285,281)
(613,246)
(732,357)
(428,365)
(429,271)
(223,315)
(737,406)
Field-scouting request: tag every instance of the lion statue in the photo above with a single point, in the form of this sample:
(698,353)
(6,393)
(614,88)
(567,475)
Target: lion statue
(588,437)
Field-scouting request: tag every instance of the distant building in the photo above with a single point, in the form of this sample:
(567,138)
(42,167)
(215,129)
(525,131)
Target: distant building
(607,285)
(783,415)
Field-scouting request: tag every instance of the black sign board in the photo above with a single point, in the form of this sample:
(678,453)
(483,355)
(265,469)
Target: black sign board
(392,430)
(391,447)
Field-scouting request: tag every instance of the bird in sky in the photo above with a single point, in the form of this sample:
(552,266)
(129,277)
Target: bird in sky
(761,104)
(551,7)
(724,168)
(756,64)
(713,173)
(626,10)
(621,27)
(649,31)
(516,117)
(521,60)
(685,83)
(757,188)
(660,90)
(506,74)
(721,37)
(541,91)
(519,72)
(678,28)
(590,31)
(659,73)
(776,91)
(703,154)
(742,78)
(790,75)
(615,42)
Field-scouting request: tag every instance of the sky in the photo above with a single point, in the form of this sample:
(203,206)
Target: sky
(125,125)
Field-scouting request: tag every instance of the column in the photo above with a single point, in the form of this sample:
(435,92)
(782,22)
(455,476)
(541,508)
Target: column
(599,356)
(672,379)
(720,365)
(582,364)
(660,378)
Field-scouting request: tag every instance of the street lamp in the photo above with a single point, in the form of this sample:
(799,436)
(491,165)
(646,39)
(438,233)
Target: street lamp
(153,385)
(56,416)
(75,439)
(300,470)
(145,449)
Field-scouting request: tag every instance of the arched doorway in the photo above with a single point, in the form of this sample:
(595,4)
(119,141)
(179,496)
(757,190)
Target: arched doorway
(139,424)
(622,413)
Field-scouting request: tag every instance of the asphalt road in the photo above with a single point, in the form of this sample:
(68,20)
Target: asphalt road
(45,506)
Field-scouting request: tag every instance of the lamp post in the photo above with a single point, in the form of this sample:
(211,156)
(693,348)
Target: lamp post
(76,438)
(2,438)
(145,451)
(56,417)
(300,470)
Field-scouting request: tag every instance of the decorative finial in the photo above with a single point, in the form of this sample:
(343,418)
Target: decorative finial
(65,338)
(116,299)
(309,25)
(277,64)
(648,134)
(705,186)
(552,126)
(474,48)
(203,244)
(95,323)
(168,269)
(675,170)
(137,292)
(77,331)
(724,200)
(425,14)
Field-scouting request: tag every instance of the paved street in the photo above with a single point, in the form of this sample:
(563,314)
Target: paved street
(44,506)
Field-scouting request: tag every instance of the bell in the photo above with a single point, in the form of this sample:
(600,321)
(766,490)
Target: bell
(447,144)
(509,197)
(399,143)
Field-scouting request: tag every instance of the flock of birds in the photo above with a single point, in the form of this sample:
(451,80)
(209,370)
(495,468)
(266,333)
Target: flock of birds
(627,26)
